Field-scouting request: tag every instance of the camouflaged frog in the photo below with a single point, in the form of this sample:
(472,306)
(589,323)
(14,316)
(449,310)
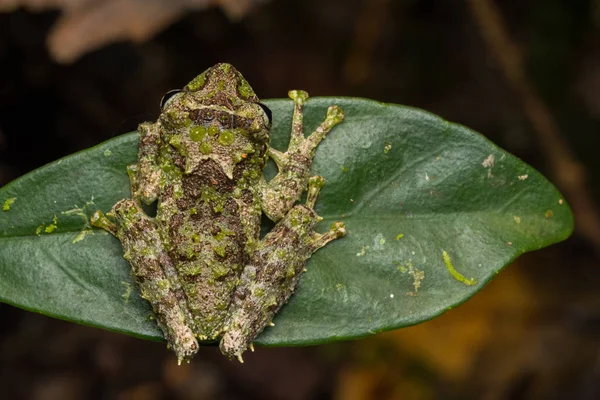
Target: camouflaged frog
(200,262)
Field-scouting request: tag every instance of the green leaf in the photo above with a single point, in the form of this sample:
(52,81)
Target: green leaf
(433,211)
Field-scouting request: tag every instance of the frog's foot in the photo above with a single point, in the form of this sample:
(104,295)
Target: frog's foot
(315,183)
(301,147)
(280,194)
(154,272)
(233,344)
(337,229)
(309,144)
(100,220)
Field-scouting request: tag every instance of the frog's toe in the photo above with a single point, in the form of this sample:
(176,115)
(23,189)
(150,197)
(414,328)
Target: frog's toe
(233,345)
(185,349)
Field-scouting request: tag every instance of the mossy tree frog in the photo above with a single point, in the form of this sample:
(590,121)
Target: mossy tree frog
(201,262)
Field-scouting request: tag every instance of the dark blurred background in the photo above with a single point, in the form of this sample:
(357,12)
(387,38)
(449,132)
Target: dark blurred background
(524,73)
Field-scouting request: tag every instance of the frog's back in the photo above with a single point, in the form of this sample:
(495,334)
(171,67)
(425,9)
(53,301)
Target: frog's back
(207,232)
(215,135)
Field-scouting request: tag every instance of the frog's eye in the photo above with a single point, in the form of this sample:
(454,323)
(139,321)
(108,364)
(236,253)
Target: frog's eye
(168,97)
(268,112)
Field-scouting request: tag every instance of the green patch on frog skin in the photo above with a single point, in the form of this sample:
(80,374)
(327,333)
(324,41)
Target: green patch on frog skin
(163,284)
(223,234)
(177,118)
(175,141)
(240,132)
(290,272)
(225,67)
(219,271)
(197,83)
(226,138)
(190,253)
(213,130)
(455,274)
(205,148)
(281,253)
(197,133)
(244,89)
(192,269)
(209,194)
(220,251)
(196,237)
(8,203)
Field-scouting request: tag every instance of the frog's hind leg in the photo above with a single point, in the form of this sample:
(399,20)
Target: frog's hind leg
(279,195)
(154,273)
(270,277)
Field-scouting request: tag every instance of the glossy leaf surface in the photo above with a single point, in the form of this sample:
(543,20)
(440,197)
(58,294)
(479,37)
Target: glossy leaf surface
(433,211)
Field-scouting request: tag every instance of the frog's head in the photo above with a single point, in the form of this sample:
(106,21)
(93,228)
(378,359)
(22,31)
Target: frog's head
(222,79)
(218,116)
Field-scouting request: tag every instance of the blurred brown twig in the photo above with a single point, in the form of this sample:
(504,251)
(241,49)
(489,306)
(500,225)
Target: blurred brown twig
(567,171)
(87,25)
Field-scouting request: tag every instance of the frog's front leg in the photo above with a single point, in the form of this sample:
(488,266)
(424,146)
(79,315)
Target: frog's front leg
(153,271)
(270,278)
(145,174)
(280,194)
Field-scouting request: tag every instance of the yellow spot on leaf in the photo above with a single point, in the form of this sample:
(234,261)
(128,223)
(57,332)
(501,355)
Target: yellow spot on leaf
(399,236)
(517,219)
(39,229)
(455,274)
(387,148)
(50,228)
(8,203)
(549,214)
